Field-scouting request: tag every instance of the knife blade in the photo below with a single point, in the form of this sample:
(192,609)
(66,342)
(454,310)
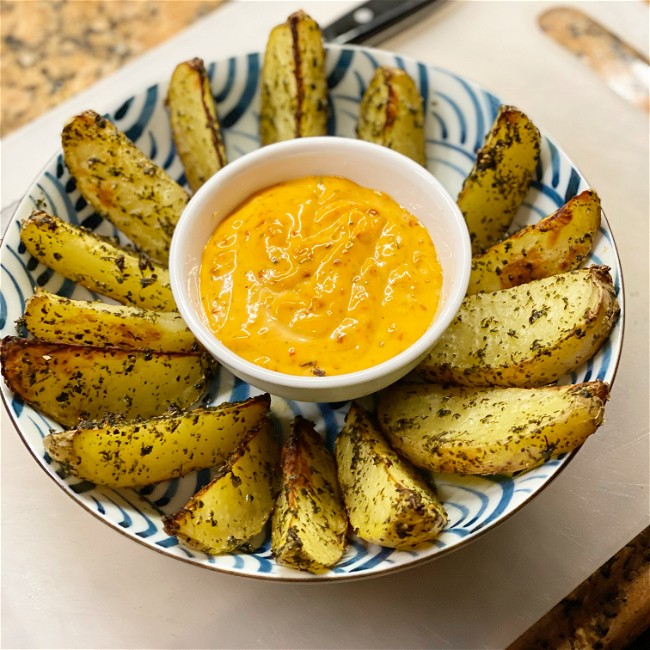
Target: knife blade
(376,20)
(625,70)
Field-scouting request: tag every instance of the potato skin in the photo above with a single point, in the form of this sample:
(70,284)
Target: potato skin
(72,383)
(225,514)
(195,125)
(309,520)
(142,452)
(496,186)
(293,83)
(387,501)
(528,335)
(489,430)
(122,183)
(558,243)
(56,319)
(97,263)
(391,113)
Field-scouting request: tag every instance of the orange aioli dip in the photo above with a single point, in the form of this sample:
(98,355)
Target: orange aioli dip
(319,276)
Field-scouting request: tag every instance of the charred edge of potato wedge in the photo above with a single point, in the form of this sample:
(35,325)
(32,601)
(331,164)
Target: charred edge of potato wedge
(96,262)
(309,521)
(294,89)
(558,243)
(194,122)
(391,113)
(136,453)
(235,506)
(387,501)
(57,319)
(122,184)
(497,184)
(528,335)
(489,430)
(75,383)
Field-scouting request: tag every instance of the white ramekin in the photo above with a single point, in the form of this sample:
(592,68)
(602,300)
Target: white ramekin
(367,164)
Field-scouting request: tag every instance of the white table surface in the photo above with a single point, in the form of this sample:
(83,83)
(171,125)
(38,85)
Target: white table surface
(69,581)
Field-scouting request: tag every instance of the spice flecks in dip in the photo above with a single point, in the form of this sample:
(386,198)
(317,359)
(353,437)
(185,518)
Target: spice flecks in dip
(319,276)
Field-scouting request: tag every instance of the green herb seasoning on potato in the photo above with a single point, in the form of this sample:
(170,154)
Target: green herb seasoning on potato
(139,452)
(496,186)
(72,383)
(489,430)
(293,82)
(309,520)
(56,319)
(195,124)
(234,507)
(558,243)
(387,501)
(391,113)
(528,335)
(97,263)
(137,196)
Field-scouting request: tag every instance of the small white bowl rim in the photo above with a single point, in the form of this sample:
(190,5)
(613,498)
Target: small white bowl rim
(197,205)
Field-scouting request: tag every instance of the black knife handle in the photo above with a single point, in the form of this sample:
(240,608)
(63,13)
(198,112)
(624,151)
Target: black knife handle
(373,19)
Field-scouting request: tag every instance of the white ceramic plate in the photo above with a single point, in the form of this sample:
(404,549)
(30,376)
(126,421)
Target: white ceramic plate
(458,115)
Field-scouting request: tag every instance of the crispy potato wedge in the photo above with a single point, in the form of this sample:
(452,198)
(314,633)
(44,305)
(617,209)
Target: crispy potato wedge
(235,505)
(391,113)
(97,263)
(309,520)
(195,124)
(122,183)
(496,186)
(556,244)
(387,501)
(293,82)
(489,430)
(141,452)
(73,383)
(52,318)
(528,335)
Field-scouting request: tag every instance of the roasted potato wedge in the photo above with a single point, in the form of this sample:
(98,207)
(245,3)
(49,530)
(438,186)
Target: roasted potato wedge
(97,263)
(528,335)
(293,82)
(195,125)
(73,383)
(309,520)
(122,183)
(496,186)
(387,501)
(52,318)
(489,430)
(391,113)
(141,452)
(235,505)
(556,244)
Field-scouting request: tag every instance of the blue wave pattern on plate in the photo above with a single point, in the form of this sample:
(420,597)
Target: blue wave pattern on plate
(458,115)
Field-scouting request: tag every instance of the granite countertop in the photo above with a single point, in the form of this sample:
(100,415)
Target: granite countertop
(52,49)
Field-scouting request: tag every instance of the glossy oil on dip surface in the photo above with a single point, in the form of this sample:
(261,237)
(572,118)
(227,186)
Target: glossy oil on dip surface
(319,276)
